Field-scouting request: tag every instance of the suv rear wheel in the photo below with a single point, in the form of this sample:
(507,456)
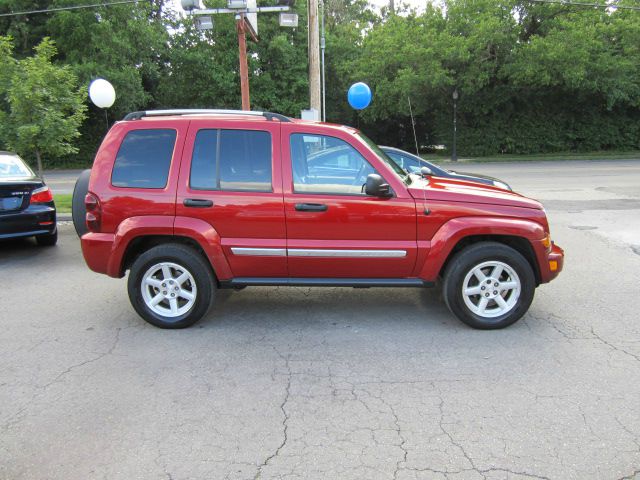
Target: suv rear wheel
(171,286)
(488,285)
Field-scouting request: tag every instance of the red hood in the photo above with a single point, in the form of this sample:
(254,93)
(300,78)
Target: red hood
(450,190)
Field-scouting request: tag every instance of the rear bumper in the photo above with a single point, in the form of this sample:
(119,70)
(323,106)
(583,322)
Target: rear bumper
(35,220)
(550,263)
(97,250)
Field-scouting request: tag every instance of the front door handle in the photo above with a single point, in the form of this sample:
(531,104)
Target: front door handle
(197,202)
(311,207)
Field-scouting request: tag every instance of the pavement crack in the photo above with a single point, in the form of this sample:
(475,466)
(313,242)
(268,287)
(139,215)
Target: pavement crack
(285,419)
(15,418)
(86,362)
(450,437)
(403,440)
(514,472)
(614,347)
(631,476)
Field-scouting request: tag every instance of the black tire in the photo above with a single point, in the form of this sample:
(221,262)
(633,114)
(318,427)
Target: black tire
(187,260)
(472,256)
(48,239)
(78,211)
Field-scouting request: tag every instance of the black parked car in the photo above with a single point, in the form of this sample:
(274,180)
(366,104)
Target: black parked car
(412,164)
(26,203)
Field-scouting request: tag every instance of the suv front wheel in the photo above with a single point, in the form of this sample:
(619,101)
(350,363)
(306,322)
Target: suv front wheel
(488,285)
(171,286)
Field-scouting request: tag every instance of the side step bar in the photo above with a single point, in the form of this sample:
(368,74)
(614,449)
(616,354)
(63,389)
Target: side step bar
(325,282)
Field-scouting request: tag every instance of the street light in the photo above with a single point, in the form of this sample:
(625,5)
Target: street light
(455,96)
(204,23)
(246,14)
(288,19)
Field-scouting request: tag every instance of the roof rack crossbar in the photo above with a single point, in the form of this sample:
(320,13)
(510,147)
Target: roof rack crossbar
(161,113)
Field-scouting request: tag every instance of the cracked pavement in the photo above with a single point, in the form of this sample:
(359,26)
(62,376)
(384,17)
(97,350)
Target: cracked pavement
(335,383)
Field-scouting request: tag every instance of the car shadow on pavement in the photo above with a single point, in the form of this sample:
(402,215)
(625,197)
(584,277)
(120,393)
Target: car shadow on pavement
(298,307)
(20,248)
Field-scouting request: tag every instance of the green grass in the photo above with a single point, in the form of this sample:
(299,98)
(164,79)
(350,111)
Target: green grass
(63,202)
(546,157)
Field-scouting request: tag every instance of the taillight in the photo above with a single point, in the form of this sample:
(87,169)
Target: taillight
(94,214)
(41,195)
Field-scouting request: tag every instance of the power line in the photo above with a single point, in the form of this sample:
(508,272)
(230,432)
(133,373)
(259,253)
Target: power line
(59,9)
(584,4)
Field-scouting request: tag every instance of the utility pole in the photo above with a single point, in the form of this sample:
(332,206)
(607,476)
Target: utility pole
(246,14)
(314,57)
(454,152)
(244,69)
(322,48)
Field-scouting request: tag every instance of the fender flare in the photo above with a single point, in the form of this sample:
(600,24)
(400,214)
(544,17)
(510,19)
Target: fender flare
(130,229)
(209,240)
(451,232)
(150,225)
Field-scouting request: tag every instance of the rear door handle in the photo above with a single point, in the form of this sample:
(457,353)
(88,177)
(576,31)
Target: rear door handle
(197,202)
(311,207)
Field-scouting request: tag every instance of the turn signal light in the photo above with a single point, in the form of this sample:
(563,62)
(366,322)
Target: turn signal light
(553,265)
(41,195)
(546,241)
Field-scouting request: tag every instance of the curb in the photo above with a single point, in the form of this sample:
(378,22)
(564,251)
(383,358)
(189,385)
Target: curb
(64,217)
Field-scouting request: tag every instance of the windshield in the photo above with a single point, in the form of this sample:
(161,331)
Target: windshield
(13,166)
(406,178)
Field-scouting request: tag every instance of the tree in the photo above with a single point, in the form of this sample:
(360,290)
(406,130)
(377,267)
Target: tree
(46,106)
(7,67)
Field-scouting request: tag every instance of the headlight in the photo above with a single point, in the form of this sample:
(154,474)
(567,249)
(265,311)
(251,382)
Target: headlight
(499,184)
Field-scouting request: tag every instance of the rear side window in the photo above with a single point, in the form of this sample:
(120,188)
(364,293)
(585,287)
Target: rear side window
(143,159)
(234,160)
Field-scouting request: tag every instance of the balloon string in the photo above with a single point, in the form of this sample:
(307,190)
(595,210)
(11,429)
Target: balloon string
(106,118)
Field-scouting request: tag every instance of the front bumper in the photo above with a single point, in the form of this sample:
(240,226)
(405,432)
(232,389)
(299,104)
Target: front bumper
(550,263)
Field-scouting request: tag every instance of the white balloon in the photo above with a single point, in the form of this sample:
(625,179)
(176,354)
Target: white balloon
(102,93)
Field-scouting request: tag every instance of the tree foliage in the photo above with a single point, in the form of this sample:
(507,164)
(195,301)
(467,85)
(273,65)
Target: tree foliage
(45,105)
(532,77)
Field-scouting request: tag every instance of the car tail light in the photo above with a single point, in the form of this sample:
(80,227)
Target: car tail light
(41,195)
(94,213)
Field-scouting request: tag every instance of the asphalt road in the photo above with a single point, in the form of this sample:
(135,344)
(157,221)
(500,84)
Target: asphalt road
(335,383)
(61,181)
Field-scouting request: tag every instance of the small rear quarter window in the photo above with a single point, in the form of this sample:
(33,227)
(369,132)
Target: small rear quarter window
(144,159)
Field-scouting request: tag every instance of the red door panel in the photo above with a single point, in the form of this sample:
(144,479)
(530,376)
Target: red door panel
(335,235)
(251,224)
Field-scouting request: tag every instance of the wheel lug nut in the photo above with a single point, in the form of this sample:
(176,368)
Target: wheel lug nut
(164,292)
(173,294)
(486,294)
(488,281)
(496,284)
(495,292)
(164,284)
(483,288)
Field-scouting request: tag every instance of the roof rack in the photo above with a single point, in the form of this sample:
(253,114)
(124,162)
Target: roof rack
(160,113)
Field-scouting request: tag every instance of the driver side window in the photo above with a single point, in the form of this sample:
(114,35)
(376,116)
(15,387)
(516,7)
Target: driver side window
(328,165)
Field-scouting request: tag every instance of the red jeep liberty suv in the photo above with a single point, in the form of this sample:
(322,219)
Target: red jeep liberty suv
(190,201)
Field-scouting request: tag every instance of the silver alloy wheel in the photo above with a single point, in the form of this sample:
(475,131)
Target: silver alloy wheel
(491,289)
(168,289)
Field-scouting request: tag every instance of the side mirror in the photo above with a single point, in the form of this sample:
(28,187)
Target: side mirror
(426,172)
(376,187)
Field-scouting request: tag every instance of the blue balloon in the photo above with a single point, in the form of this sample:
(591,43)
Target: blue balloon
(359,96)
